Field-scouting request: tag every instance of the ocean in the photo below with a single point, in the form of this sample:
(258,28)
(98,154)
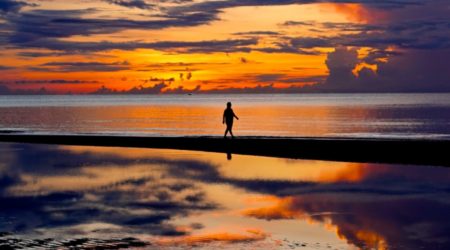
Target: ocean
(291,115)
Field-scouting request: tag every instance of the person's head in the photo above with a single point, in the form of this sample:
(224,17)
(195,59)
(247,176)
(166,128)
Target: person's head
(228,104)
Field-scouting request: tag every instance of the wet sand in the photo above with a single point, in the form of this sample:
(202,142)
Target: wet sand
(398,151)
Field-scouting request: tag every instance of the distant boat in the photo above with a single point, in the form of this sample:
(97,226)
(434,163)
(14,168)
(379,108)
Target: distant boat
(189,93)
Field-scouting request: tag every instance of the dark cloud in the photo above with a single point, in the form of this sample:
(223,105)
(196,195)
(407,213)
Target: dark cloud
(179,66)
(155,89)
(42,28)
(156,79)
(284,78)
(140,4)
(159,88)
(217,6)
(282,47)
(257,33)
(137,90)
(257,89)
(298,23)
(11,6)
(40,54)
(5,68)
(45,24)
(268,77)
(183,90)
(409,71)
(4,90)
(82,66)
(414,34)
(57,81)
(236,45)
(340,64)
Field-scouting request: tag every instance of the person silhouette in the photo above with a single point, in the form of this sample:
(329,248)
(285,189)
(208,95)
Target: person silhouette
(228,116)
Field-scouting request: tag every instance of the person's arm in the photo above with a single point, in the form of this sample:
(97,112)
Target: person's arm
(235,115)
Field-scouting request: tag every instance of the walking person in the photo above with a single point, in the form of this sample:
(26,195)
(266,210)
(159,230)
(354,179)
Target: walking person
(228,117)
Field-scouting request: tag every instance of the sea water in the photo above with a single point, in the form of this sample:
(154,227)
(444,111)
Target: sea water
(293,115)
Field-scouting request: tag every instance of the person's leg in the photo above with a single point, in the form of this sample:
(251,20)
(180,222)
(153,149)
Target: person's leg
(231,131)
(226,132)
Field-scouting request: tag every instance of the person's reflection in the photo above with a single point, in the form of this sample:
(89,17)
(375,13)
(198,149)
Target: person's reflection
(229,156)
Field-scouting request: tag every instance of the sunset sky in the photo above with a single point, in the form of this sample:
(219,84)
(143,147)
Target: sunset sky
(224,46)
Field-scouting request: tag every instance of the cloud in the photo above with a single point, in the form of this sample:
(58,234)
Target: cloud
(156,79)
(183,90)
(289,48)
(158,88)
(142,90)
(257,33)
(409,71)
(212,46)
(12,6)
(57,81)
(284,78)
(46,24)
(43,28)
(140,4)
(40,54)
(82,67)
(5,68)
(155,89)
(179,66)
(4,90)
(412,34)
(340,64)
(298,23)
(217,6)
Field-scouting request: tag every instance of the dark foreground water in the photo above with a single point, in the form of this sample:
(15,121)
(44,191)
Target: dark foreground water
(107,198)
(341,115)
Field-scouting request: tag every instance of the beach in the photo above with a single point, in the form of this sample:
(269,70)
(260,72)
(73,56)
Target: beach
(400,151)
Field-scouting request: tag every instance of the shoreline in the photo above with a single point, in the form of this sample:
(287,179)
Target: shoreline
(364,150)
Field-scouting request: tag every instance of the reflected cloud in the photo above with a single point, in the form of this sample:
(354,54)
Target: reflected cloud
(250,235)
(48,188)
(373,223)
(92,190)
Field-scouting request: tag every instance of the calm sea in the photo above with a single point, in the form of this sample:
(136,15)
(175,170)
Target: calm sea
(334,115)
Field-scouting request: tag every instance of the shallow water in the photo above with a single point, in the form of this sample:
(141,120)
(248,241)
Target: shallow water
(335,115)
(56,196)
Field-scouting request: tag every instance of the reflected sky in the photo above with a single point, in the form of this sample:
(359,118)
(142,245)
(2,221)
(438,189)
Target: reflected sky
(178,199)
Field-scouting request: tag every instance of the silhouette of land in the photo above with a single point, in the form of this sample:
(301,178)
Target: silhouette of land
(400,151)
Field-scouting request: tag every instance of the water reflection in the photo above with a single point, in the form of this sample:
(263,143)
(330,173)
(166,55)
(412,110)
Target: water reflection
(181,199)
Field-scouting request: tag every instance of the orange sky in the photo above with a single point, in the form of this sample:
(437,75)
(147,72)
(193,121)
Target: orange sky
(123,69)
(148,46)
